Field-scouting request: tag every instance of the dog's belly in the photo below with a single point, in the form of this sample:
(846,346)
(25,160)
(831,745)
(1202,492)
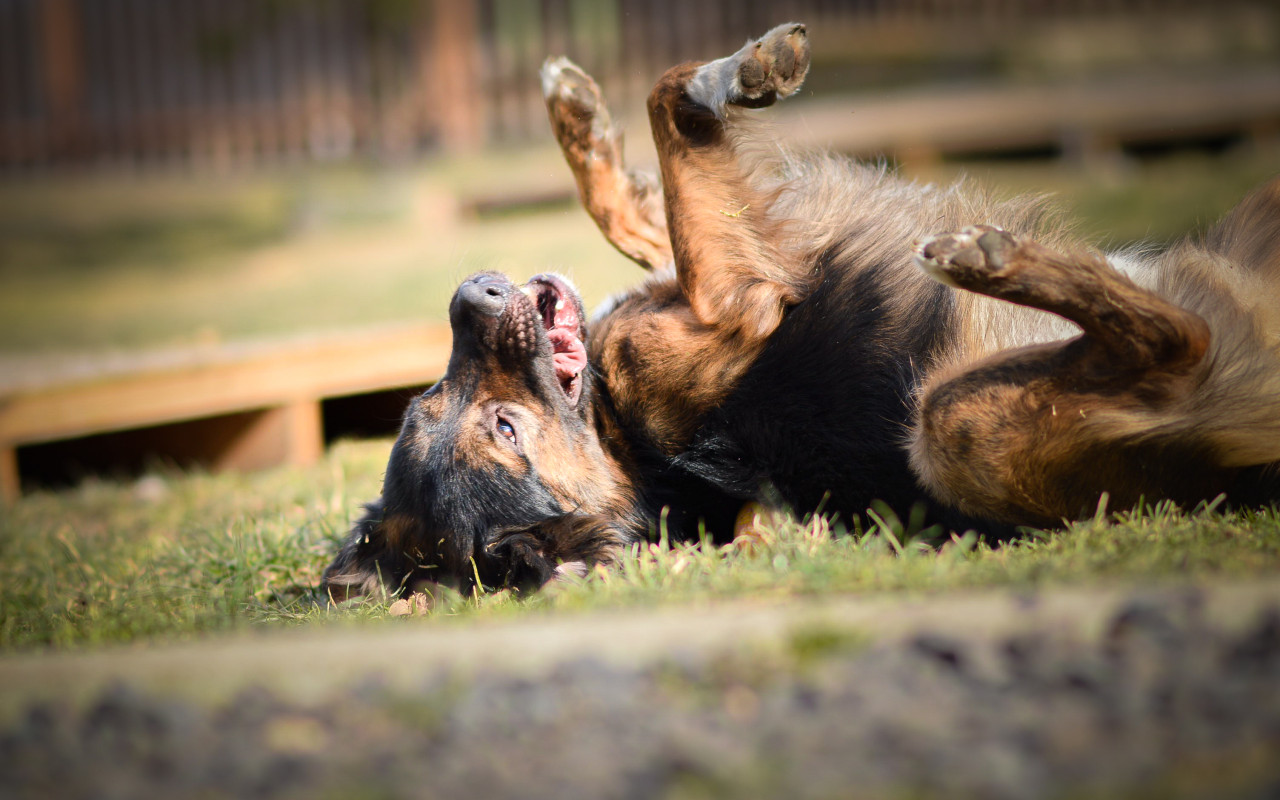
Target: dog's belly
(821,419)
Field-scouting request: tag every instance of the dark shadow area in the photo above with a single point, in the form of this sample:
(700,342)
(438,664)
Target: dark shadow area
(122,455)
(366,416)
(202,443)
(1141,148)
(1209,143)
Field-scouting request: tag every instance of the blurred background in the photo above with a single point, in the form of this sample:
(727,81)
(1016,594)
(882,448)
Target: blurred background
(186,183)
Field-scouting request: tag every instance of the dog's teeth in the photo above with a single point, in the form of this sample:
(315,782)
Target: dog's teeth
(528,291)
(560,305)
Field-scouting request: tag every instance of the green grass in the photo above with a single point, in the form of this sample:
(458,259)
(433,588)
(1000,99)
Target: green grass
(181,555)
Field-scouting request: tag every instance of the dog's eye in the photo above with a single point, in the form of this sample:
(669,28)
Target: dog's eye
(506,429)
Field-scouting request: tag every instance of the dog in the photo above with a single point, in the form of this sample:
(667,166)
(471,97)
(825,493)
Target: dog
(818,333)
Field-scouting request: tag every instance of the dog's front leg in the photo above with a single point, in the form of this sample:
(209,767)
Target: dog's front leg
(730,251)
(625,204)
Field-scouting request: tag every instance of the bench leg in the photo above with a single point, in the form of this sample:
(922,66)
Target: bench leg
(305,438)
(10,483)
(288,434)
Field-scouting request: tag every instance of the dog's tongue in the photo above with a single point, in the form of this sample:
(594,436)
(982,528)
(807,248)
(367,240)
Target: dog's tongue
(570,356)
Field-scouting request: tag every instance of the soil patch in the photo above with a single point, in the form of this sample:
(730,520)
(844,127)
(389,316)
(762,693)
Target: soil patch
(1169,692)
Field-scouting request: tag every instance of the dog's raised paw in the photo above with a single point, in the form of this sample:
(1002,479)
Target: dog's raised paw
(565,81)
(579,117)
(776,68)
(967,259)
(773,66)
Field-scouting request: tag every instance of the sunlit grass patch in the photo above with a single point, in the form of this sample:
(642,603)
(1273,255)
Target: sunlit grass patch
(175,554)
(812,557)
(179,555)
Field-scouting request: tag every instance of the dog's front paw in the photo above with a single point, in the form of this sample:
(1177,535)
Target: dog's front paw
(579,117)
(775,68)
(969,259)
(769,68)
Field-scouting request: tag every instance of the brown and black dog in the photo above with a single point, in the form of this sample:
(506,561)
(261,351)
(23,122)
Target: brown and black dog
(806,335)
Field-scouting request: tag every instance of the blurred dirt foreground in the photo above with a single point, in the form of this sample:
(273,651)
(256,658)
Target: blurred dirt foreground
(1168,691)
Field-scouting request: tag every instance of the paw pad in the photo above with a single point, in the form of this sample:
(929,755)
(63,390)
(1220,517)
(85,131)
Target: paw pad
(579,118)
(960,259)
(775,67)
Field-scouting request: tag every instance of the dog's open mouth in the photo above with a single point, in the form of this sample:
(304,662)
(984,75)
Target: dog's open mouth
(557,304)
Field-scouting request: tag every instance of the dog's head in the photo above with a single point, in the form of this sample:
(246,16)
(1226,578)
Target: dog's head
(498,475)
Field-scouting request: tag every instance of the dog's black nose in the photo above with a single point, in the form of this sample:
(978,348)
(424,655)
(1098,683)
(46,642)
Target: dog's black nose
(485,294)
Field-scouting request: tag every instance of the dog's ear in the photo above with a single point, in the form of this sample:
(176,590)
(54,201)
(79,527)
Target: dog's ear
(587,539)
(559,548)
(373,559)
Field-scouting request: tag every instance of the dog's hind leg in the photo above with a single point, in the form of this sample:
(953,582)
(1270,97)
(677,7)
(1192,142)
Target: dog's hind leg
(728,249)
(1039,434)
(1133,327)
(625,204)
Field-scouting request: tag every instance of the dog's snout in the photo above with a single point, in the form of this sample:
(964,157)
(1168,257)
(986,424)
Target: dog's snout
(486,294)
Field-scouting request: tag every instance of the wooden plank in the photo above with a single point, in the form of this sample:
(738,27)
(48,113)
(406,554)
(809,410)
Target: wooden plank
(289,434)
(10,483)
(272,377)
(63,73)
(304,429)
(449,73)
(991,117)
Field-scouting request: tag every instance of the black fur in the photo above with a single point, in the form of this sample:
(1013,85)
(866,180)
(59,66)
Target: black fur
(811,436)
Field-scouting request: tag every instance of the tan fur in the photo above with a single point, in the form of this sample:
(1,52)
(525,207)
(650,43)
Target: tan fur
(626,206)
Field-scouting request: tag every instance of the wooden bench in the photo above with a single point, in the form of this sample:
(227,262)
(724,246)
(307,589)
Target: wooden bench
(268,394)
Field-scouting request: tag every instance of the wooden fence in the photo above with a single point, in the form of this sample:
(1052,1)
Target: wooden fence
(226,83)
